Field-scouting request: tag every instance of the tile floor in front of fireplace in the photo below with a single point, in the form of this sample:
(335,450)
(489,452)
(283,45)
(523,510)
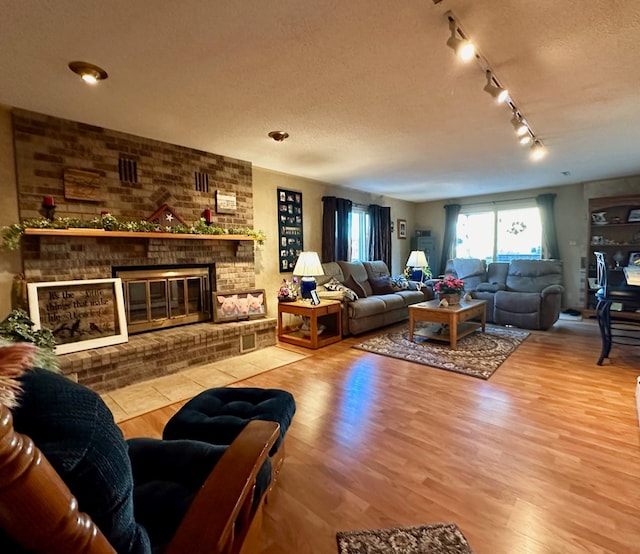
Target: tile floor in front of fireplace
(140,398)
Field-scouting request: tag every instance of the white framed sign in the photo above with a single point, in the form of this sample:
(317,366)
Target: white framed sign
(81,314)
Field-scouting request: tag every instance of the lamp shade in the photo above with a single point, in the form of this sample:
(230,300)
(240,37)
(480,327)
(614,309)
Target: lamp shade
(417,259)
(308,265)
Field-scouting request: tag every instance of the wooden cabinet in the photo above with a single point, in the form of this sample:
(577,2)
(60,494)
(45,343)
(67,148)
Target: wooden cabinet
(614,228)
(429,246)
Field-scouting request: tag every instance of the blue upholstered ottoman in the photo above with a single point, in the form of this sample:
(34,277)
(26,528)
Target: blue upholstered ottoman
(218,415)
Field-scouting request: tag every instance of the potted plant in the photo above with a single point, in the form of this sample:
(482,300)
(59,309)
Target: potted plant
(450,289)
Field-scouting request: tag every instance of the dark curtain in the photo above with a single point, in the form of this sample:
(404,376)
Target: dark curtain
(449,241)
(380,234)
(550,249)
(336,229)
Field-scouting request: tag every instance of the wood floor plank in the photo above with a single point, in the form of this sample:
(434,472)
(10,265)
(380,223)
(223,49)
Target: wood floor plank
(542,458)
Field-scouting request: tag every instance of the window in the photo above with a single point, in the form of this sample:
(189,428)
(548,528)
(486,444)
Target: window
(359,234)
(499,235)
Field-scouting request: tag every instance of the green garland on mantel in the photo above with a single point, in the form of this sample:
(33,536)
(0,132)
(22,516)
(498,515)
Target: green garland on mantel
(12,234)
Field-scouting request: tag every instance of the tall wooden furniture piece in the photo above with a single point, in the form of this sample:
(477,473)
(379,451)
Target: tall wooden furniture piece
(614,230)
(429,245)
(619,327)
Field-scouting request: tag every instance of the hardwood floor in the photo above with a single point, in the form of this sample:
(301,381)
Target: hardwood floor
(542,458)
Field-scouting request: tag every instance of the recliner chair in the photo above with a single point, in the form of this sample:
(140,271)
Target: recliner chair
(140,496)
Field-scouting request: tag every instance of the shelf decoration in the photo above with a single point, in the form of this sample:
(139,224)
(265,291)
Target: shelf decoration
(12,234)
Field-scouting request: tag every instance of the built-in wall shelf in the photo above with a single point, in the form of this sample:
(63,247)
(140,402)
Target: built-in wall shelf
(101,233)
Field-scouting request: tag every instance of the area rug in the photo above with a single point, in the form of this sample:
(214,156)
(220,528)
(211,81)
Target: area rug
(478,354)
(440,538)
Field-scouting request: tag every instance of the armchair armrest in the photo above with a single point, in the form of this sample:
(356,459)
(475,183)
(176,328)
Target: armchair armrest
(490,287)
(551,290)
(37,509)
(221,513)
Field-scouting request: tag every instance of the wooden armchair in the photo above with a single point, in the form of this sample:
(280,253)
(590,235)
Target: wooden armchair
(39,512)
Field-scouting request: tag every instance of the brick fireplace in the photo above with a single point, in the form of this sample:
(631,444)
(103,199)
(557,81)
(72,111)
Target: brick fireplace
(49,149)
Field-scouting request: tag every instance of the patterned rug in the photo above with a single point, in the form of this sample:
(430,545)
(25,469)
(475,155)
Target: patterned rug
(478,354)
(440,538)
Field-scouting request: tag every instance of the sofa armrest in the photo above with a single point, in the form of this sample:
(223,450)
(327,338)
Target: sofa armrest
(551,290)
(490,287)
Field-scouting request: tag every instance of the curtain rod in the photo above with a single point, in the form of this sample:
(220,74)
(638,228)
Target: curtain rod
(498,201)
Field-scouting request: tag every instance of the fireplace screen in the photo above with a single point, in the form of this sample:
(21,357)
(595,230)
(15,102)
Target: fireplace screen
(161,298)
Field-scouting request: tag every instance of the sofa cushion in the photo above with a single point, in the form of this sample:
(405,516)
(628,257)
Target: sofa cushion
(367,307)
(411,297)
(331,269)
(490,287)
(376,268)
(348,293)
(392,301)
(533,275)
(471,270)
(356,287)
(359,274)
(382,285)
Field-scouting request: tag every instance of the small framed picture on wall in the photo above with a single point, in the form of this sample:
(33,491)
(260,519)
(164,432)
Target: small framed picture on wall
(402,228)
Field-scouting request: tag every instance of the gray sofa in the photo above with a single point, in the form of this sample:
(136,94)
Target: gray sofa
(523,293)
(379,302)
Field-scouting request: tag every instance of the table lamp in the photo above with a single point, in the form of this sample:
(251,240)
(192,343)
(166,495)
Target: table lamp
(417,260)
(308,266)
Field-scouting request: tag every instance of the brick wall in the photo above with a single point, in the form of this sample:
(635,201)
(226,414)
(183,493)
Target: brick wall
(46,146)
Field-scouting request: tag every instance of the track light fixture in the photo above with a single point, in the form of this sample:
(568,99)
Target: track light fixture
(463,48)
(494,89)
(519,125)
(460,39)
(537,150)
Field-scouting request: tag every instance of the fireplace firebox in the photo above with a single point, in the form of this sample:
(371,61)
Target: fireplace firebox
(162,297)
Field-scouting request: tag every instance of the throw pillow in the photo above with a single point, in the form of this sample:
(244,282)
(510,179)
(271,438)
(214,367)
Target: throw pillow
(400,282)
(382,285)
(355,286)
(335,285)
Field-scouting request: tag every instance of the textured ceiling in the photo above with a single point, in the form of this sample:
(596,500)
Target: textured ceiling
(371,95)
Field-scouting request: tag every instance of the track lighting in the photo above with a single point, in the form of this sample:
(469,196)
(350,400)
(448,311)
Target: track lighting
(463,48)
(519,125)
(494,89)
(525,139)
(537,150)
(460,42)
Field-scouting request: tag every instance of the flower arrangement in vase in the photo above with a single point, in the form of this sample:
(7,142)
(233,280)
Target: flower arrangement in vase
(288,291)
(450,288)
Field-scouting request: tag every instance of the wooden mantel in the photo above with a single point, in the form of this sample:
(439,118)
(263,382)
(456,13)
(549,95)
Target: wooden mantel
(101,233)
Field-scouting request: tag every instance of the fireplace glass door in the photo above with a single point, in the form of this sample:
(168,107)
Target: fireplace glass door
(158,299)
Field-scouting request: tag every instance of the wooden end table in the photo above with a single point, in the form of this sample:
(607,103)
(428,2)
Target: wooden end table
(327,313)
(455,316)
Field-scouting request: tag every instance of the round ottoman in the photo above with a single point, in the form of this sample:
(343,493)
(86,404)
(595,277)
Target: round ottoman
(218,415)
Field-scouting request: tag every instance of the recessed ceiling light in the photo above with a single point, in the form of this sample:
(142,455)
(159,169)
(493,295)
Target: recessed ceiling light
(279,136)
(88,72)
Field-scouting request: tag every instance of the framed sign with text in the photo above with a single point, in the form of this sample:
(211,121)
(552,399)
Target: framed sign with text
(81,314)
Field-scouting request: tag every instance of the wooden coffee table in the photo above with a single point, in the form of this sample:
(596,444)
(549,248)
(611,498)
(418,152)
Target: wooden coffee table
(455,316)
